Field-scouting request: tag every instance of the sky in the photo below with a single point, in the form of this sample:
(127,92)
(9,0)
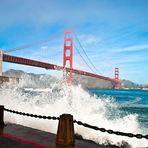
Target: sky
(113,33)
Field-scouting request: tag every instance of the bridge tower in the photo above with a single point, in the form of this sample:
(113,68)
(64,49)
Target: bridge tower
(1,60)
(117,83)
(68,55)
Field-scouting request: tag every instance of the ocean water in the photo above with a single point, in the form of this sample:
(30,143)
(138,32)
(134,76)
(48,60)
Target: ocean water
(120,110)
(129,102)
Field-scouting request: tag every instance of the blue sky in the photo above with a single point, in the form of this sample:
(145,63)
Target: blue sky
(114,33)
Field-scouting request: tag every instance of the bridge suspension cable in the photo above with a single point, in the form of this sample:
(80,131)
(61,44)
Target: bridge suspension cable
(39,42)
(86,55)
(83,59)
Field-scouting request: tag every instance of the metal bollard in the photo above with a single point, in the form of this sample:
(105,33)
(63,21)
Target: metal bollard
(65,133)
(1,116)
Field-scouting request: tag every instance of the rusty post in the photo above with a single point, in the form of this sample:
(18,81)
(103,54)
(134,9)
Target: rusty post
(65,133)
(1,116)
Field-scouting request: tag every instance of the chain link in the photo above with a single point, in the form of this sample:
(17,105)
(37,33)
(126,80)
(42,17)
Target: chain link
(32,115)
(109,131)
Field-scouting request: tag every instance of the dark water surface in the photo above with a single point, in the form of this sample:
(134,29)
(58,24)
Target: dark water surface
(129,102)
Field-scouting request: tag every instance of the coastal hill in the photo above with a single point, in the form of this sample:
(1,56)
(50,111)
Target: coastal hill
(85,81)
(45,80)
(132,85)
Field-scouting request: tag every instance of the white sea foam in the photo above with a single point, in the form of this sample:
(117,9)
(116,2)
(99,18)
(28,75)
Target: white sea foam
(137,99)
(58,99)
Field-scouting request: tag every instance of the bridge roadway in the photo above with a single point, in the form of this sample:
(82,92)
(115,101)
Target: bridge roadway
(35,63)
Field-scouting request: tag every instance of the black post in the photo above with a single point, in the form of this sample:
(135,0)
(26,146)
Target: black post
(1,116)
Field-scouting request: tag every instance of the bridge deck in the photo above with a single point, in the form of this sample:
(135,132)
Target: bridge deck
(24,61)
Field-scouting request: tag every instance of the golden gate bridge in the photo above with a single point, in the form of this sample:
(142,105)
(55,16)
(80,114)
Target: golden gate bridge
(67,62)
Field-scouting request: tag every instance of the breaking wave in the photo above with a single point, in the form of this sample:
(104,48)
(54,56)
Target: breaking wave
(57,98)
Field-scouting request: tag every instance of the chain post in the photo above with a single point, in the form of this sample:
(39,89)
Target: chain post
(1,116)
(65,133)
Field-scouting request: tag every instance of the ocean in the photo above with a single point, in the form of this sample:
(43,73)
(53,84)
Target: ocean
(129,102)
(119,110)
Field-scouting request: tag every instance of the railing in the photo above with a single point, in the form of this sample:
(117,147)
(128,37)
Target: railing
(65,132)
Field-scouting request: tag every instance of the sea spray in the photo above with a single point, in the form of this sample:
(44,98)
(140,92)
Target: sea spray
(57,99)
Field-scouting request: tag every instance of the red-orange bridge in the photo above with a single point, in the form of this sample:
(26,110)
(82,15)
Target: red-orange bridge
(68,48)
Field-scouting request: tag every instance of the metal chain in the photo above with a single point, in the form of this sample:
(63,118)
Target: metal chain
(139,136)
(109,131)
(32,115)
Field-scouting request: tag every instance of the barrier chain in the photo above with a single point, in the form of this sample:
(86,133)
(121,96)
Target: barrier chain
(139,136)
(109,131)
(32,115)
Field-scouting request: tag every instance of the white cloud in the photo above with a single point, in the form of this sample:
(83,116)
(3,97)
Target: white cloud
(89,39)
(133,48)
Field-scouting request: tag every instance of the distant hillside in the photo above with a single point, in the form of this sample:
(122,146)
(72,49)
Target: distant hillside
(129,84)
(44,79)
(14,73)
(132,85)
(33,80)
(92,82)
(86,82)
